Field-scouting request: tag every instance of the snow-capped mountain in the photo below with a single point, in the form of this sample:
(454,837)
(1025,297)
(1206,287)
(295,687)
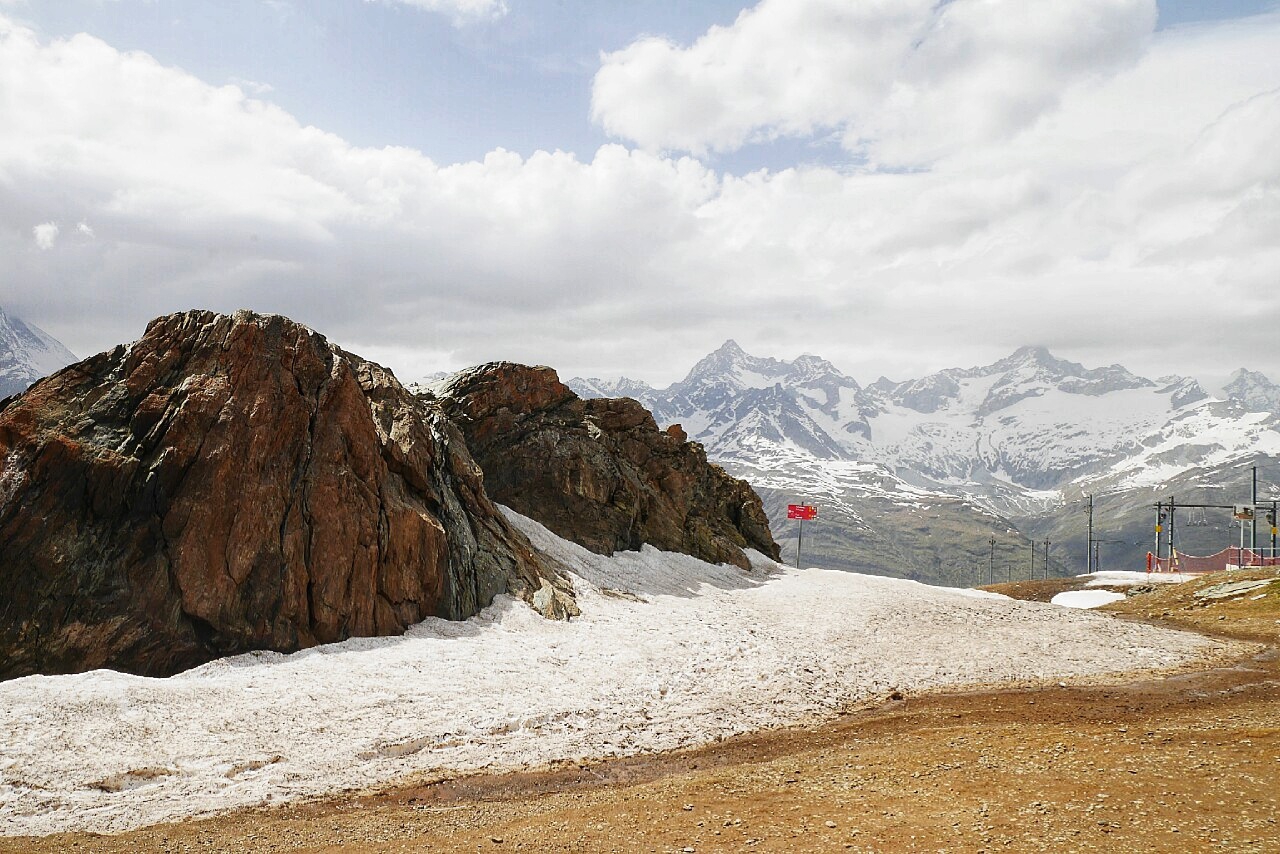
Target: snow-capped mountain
(622,387)
(27,353)
(1253,391)
(1005,445)
(1030,420)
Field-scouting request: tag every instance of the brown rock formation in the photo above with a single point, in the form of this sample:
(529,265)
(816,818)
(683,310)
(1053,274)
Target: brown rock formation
(599,472)
(235,483)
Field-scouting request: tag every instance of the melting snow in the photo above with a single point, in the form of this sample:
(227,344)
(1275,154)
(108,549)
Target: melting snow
(670,652)
(1086,598)
(1118,578)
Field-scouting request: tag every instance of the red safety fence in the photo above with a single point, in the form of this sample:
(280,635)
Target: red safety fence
(1227,558)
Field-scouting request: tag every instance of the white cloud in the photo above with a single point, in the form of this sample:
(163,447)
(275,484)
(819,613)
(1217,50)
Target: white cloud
(460,11)
(253,87)
(214,199)
(1141,206)
(46,234)
(85,229)
(903,81)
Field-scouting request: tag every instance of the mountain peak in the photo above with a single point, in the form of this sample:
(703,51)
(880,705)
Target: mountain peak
(731,364)
(1246,375)
(1030,371)
(1036,352)
(1038,356)
(27,353)
(810,359)
(730,348)
(592,387)
(1254,391)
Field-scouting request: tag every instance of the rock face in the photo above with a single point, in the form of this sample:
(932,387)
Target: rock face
(599,472)
(228,484)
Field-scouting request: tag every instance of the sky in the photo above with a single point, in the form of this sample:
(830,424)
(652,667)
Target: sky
(616,187)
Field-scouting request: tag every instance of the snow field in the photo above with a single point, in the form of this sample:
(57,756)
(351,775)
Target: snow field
(670,652)
(1123,578)
(1086,598)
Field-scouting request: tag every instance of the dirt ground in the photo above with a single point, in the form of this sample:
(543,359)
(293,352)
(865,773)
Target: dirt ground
(1181,763)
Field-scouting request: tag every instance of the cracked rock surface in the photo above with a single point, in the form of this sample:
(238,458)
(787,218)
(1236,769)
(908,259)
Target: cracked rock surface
(599,472)
(230,483)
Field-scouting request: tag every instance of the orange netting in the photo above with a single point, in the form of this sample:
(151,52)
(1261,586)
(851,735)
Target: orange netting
(1231,557)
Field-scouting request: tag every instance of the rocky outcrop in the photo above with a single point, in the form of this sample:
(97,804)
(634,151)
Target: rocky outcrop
(599,472)
(228,484)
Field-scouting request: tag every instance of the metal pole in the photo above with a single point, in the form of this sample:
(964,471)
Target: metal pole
(1159,528)
(1031,567)
(1088,551)
(1240,551)
(1272,531)
(1172,553)
(1046,558)
(800,545)
(1253,524)
(993,556)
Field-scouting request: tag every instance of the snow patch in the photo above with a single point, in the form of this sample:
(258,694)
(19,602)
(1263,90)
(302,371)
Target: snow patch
(1086,598)
(1117,578)
(670,652)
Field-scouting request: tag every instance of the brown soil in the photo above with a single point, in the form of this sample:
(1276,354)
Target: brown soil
(1179,763)
(1038,591)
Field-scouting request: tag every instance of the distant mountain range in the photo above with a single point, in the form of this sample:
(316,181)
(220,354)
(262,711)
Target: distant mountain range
(956,477)
(916,478)
(27,353)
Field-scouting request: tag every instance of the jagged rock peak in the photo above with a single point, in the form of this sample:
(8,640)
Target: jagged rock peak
(1030,371)
(808,367)
(726,357)
(1030,353)
(1247,377)
(1254,391)
(731,365)
(600,472)
(1182,391)
(226,484)
(1040,357)
(507,386)
(731,349)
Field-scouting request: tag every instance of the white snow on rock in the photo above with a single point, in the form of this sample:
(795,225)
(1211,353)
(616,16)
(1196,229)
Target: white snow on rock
(670,652)
(1121,578)
(1085,598)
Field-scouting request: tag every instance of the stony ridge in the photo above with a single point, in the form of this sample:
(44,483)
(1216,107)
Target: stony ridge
(600,472)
